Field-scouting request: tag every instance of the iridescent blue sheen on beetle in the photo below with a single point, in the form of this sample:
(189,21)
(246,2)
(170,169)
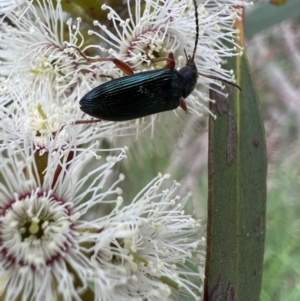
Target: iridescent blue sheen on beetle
(134,96)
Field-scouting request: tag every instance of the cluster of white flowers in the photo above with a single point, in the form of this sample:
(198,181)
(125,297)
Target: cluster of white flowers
(65,233)
(57,242)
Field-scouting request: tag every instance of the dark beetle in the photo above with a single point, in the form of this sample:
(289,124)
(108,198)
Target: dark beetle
(140,94)
(145,93)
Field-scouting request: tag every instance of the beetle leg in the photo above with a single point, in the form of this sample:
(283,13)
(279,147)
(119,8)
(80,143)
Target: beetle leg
(182,104)
(87,121)
(108,76)
(170,59)
(77,122)
(80,52)
(121,65)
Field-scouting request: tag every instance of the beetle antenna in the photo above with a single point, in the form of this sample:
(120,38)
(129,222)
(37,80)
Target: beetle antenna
(186,56)
(222,80)
(197,30)
(195,48)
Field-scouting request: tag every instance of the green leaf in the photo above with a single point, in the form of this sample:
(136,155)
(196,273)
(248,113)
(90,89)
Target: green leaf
(267,15)
(237,194)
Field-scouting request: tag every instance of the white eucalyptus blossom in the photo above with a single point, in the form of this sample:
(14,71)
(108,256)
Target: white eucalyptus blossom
(39,118)
(46,243)
(65,235)
(164,243)
(33,49)
(41,81)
